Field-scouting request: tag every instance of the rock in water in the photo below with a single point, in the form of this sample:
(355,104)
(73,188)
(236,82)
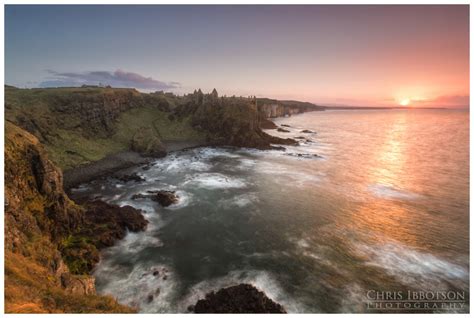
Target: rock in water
(306,131)
(163,197)
(243,298)
(131,177)
(104,224)
(282,130)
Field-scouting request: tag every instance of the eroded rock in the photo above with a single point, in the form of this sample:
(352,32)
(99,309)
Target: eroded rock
(163,197)
(104,225)
(243,298)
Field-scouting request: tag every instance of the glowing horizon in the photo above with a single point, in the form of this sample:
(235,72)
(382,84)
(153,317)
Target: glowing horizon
(386,55)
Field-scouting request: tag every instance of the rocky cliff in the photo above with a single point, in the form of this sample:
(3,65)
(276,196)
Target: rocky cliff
(271,108)
(228,121)
(38,216)
(82,125)
(79,126)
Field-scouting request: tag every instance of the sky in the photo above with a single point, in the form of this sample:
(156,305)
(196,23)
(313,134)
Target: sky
(331,55)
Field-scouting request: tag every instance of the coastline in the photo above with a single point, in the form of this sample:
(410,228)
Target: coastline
(118,161)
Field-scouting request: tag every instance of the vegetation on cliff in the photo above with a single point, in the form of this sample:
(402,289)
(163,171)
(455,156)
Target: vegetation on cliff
(38,216)
(82,125)
(85,124)
(230,121)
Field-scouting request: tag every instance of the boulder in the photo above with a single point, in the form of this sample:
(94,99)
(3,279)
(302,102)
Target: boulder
(243,298)
(163,197)
(306,131)
(282,130)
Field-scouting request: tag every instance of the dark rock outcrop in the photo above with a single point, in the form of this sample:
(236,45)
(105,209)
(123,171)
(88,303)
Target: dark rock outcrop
(228,121)
(163,197)
(104,225)
(282,130)
(243,298)
(108,222)
(306,131)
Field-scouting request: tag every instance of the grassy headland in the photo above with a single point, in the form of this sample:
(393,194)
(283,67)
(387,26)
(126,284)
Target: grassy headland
(85,124)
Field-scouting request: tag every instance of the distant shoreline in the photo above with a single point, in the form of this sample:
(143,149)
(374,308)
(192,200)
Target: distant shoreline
(381,108)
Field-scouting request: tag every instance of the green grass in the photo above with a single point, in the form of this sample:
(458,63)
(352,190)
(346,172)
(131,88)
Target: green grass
(71,142)
(166,129)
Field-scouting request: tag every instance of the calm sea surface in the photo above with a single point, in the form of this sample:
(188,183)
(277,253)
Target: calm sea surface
(385,207)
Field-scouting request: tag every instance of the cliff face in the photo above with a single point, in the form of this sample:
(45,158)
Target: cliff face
(33,185)
(278,110)
(93,111)
(82,125)
(78,126)
(229,121)
(38,215)
(270,108)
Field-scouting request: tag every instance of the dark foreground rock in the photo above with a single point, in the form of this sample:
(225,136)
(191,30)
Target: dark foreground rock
(108,222)
(282,130)
(163,197)
(104,224)
(243,298)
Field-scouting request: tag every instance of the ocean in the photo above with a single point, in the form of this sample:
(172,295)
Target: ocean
(371,200)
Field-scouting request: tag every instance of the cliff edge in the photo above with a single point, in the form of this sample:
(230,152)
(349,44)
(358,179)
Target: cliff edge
(38,216)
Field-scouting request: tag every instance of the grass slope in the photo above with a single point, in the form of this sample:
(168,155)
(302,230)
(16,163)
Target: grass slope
(56,117)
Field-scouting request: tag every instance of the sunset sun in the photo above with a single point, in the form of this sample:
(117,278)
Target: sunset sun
(405,102)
